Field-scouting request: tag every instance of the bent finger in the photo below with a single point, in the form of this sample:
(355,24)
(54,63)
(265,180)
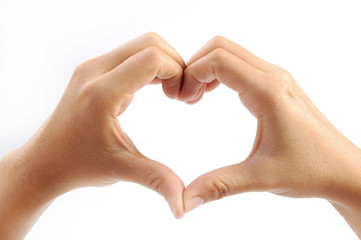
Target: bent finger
(138,71)
(224,67)
(115,57)
(235,49)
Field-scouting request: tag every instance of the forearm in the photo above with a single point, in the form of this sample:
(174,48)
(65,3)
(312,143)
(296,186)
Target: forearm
(351,215)
(347,201)
(21,200)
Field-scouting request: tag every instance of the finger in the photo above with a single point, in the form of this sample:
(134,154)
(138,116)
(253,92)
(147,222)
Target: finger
(138,71)
(212,85)
(224,67)
(115,57)
(205,88)
(111,60)
(218,184)
(159,178)
(199,94)
(235,49)
(219,42)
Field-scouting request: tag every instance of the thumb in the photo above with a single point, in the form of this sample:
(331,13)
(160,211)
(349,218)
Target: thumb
(159,178)
(219,183)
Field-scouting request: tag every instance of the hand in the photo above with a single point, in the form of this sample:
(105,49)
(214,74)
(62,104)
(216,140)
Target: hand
(297,151)
(83,139)
(82,143)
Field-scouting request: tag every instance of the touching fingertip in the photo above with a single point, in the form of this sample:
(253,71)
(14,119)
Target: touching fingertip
(177,212)
(193,203)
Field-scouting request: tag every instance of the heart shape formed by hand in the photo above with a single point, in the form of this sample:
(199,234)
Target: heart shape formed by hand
(102,88)
(266,90)
(296,152)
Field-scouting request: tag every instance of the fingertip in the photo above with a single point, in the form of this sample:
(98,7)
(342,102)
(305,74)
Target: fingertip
(171,88)
(193,203)
(212,85)
(176,204)
(174,196)
(161,179)
(178,212)
(193,102)
(198,96)
(192,197)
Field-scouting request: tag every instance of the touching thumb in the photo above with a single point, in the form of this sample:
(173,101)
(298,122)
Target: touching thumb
(217,184)
(161,179)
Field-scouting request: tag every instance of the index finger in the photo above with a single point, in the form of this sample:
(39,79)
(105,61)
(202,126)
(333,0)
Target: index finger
(115,57)
(136,72)
(235,49)
(219,42)
(252,84)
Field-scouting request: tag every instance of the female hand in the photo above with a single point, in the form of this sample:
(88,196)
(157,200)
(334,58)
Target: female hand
(82,143)
(297,151)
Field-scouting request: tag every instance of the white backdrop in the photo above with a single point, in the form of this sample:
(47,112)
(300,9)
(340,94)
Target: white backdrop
(41,42)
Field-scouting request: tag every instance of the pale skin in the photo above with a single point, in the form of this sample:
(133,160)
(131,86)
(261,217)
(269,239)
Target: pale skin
(297,151)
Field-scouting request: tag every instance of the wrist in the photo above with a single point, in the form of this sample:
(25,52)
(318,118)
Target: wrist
(32,172)
(346,181)
(347,200)
(22,179)
(22,201)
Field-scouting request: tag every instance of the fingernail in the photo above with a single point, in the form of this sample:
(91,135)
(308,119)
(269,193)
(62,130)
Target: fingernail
(193,203)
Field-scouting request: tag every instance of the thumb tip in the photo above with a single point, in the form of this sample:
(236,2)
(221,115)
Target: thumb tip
(193,203)
(178,212)
(178,215)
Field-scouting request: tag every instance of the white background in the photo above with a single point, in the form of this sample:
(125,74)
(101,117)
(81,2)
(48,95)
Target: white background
(41,42)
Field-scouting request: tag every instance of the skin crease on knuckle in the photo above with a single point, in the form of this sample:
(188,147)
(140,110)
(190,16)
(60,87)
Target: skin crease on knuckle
(219,187)
(156,179)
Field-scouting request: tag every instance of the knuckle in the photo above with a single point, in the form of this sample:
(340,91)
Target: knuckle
(219,54)
(152,55)
(285,76)
(281,91)
(153,38)
(284,81)
(273,91)
(85,70)
(82,68)
(217,41)
(156,180)
(92,96)
(221,188)
(280,74)
(92,89)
